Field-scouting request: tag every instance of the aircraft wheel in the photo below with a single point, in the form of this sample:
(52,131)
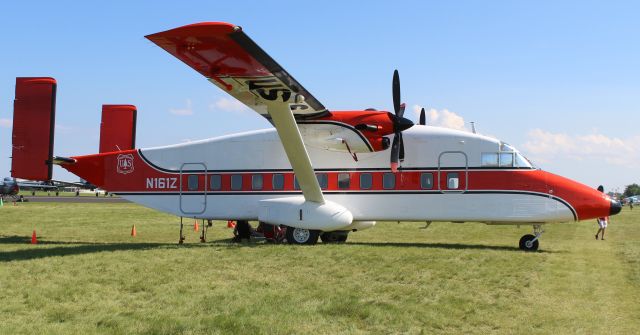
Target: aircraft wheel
(334,236)
(302,236)
(526,243)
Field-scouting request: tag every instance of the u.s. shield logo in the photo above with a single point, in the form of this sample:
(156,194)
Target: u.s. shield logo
(125,163)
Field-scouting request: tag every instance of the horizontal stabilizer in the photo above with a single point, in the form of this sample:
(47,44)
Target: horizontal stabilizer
(33,128)
(118,128)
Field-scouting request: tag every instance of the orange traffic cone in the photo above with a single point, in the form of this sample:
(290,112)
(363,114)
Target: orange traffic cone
(196,227)
(133,231)
(34,238)
(231,224)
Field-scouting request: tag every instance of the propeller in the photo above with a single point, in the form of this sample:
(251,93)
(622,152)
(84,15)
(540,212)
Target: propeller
(399,124)
(423,118)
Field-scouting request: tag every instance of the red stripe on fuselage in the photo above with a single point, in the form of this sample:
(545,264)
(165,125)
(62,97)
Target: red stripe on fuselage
(108,171)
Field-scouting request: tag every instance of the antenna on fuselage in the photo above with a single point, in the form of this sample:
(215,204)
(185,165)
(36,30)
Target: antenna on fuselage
(473,127)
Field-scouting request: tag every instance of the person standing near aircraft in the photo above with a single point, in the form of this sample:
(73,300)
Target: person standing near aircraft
(603,221)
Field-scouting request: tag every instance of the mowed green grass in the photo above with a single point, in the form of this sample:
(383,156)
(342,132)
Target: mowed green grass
(88,275)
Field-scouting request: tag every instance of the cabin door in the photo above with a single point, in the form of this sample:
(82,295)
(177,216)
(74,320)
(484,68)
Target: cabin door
(193,188)
(453,173)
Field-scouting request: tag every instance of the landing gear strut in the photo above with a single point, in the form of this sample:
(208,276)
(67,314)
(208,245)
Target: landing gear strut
(530,242)
(181,240)
(203,235)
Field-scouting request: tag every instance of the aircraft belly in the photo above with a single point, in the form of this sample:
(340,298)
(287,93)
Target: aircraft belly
(456,207)
(494,208)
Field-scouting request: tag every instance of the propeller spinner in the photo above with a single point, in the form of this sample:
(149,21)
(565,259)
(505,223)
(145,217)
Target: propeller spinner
(399,124)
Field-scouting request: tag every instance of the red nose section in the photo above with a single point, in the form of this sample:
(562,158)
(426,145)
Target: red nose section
(588,202)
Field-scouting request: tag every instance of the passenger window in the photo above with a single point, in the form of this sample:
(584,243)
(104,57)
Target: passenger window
(323,180)
(278,181)
(192,182)
(295,183)
(256,182)
(366,181)
(236,182)
(344,180)
(426,181)
(453,181)
(490,159)
(506,159)
(388,181)
(216,182)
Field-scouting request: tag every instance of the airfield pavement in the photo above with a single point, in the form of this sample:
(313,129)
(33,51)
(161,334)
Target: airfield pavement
(83,199)
(88,275)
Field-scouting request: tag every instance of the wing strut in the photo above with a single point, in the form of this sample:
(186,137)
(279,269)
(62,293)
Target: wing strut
(289,134)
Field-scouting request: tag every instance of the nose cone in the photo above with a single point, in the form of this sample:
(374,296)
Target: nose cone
(403,124)
(615,207)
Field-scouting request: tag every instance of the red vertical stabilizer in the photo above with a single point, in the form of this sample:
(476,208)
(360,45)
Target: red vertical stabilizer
(33,128)
(118,128)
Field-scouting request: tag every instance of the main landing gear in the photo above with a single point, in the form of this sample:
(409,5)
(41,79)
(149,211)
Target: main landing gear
(530,242)
(338,236)
(302,236)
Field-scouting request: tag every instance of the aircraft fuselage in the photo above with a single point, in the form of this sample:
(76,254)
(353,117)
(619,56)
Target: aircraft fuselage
(447,175)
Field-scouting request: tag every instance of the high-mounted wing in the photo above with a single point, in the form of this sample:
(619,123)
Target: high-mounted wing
(228,58)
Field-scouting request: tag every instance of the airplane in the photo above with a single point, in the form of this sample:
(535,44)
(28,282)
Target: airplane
(320,173)
(10,187)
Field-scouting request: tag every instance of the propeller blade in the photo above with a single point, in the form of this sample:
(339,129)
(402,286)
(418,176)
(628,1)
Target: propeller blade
(401,155)
(396,92)
(401,111)
(395,153)
(423,118)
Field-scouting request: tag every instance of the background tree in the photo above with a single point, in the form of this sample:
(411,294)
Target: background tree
(631,190)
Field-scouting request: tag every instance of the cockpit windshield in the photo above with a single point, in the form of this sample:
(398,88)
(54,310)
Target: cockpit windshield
(507,157)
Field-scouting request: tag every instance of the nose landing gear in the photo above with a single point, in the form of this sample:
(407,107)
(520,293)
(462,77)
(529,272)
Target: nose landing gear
(530,242)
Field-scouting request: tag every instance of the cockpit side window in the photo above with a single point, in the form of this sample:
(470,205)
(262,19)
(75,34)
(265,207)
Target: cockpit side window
(489,159)
(506,159)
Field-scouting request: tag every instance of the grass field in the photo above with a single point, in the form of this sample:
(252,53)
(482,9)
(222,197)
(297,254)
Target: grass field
(88,275)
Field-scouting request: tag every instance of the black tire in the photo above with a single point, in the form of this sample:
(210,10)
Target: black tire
(528,246)
(302,236)
(334,236)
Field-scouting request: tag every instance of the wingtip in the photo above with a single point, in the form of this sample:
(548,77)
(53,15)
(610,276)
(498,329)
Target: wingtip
(195,28)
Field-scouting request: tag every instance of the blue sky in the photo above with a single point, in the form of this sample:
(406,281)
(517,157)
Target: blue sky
(558,80)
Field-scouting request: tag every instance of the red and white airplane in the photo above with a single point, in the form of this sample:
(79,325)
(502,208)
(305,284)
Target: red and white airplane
(320,172)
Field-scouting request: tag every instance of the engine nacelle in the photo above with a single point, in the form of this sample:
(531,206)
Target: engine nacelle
(298,213)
